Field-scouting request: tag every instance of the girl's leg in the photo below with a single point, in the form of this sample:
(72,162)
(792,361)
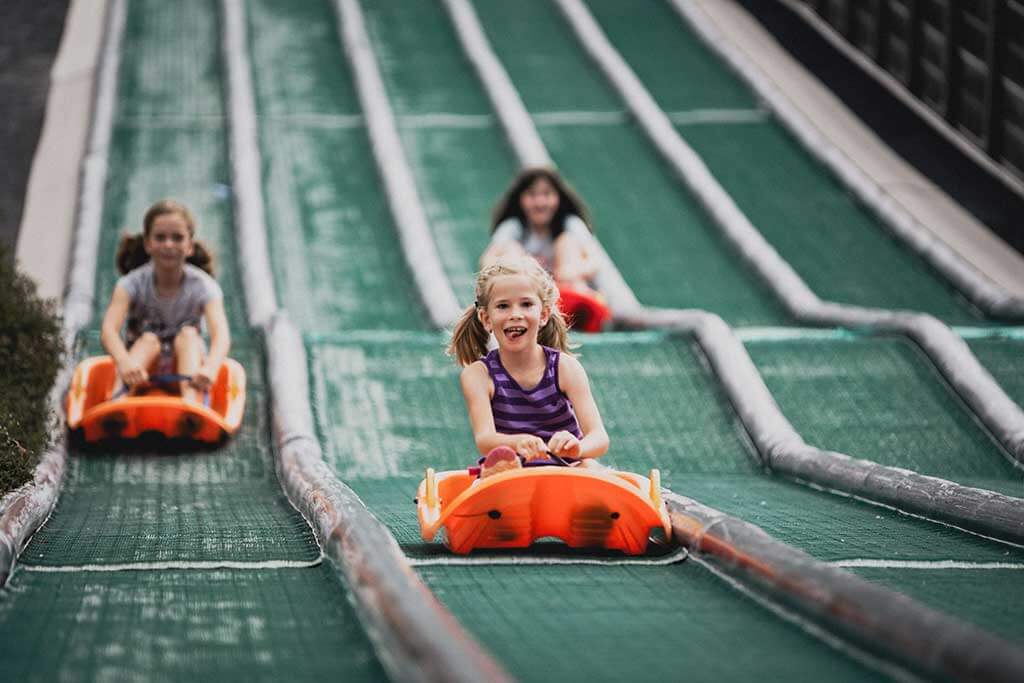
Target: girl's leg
(571,262)
(142,352)
(188,354)
(579,301)
(500,459)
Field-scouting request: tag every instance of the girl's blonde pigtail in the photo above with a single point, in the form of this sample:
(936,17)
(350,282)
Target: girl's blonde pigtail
(469,338)
(555,332)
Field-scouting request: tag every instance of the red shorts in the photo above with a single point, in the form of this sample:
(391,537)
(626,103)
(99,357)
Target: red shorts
(585,310)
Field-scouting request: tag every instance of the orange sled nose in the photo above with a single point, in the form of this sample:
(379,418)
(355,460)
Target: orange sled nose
(583,508)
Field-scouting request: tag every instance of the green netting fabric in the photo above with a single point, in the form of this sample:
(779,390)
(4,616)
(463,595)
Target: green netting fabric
(421,61)
(840,250)
(666,247)
(451,137)
(830,527)
(390,407)
(138,506)
(397,395)
(568,623)
(1002,358)
(674,66)
(180,522)
(879,399)
(336,258)
(182,625)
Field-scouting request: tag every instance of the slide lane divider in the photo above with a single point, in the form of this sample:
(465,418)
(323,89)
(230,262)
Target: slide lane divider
(246,166)
(25,509)
(414,636)
(780,447)
(403,197)
(950,354)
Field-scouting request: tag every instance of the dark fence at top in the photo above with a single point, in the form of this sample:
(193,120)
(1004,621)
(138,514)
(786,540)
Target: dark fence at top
(963,59)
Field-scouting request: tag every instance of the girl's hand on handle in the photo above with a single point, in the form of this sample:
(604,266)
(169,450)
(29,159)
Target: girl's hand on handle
(531,447)
(564,444)
(132,373)
(202,379)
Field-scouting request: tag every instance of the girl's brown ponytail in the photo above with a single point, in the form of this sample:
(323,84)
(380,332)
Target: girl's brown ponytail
(131,253)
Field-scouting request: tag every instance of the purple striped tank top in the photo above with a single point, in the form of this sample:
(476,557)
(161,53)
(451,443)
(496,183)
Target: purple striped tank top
(541,411)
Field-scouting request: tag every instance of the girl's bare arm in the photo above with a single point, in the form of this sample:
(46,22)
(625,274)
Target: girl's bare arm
(572,379)
(130,370)
(476,389)
(574,262)
(220,337)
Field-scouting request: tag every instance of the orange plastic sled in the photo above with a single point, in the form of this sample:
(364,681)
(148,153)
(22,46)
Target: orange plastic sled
(94,414)
(585,508)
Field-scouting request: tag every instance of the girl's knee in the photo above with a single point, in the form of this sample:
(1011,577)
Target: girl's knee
(186,335)
(148,342)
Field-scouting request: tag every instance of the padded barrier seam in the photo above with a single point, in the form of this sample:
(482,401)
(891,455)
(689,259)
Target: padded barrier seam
(246,167)
(807,625)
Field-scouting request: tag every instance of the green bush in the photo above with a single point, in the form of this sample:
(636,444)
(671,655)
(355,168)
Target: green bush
(31,351)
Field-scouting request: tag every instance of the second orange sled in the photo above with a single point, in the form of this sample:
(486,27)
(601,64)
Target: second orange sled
(95,414)
(585,508)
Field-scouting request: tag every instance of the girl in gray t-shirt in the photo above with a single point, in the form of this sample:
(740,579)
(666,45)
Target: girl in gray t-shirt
(165,294)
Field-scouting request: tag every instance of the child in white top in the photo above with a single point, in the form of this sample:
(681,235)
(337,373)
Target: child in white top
(541,216)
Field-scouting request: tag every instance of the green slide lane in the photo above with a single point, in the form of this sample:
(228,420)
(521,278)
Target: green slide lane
(452,139)
(664,243)
(332,238)
(839,248)
(387,403)
(389,407)
(72,609)
(1002,358)
(194,625)
(882,399)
